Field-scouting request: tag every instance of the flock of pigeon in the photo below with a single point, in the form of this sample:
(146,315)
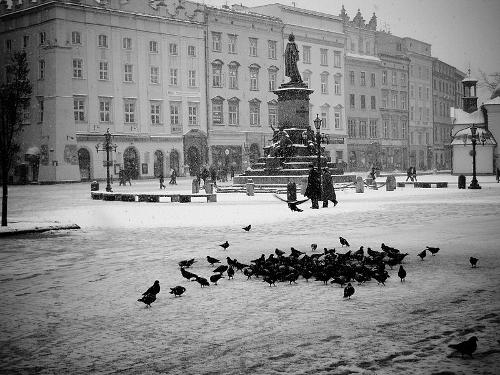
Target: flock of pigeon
(328,266)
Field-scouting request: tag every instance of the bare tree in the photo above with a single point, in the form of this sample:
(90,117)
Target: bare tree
(489,81)
(15,95)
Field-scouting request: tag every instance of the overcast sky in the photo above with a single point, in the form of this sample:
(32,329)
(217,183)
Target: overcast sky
(461,32)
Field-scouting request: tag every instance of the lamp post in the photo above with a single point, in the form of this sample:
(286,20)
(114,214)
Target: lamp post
(320,138)
(474,138)
(107,147)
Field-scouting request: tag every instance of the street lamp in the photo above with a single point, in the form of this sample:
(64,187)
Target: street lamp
(107,147)
(320,138)
(474,138)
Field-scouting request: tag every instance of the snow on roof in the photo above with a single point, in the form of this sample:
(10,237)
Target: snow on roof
(493,101)
(363,57)
(464,137)
(461,117)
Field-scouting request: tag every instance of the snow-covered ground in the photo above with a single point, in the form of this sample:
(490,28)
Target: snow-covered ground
(69,298)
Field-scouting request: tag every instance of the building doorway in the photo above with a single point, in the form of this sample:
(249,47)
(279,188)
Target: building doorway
(174,160)
(158,164)
(84,164)
(193,160)
(131,163)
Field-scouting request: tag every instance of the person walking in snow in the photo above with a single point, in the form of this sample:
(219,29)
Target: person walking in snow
(328,190)
(173,177)
(162,180)
(313,190)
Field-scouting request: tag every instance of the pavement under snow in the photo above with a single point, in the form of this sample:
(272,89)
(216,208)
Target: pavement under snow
(69,299)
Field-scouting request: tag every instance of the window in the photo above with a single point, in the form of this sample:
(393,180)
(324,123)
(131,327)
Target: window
(398,46)
(324,118)
(336,59)
(41,69)
(253,46)
(272,79)
(385,99)
(403,79)
(306,54)
(412,92)
(420,113)
(324,83)
(385,128)
(232,43)
(76,37)
(175,110)
(78,68)
(351,101)
(363,79)
(373,128)
(154,74)
(172,49)
(384,77)
(351,128)
(394,123)
(372,80)
(102,41)
(373,104)
(153,46)
(42,37)
(105,109)
(155,113)
(103,70)
(412,110)
(41,109)
(127,43)
(255,113)
(351,77)
(394,101)
(217,114)
(254,79)
(79,109)
(216,42)
(234,109)
(337,83)
(128,69)
(26,40)
(394,77)
(271,48)
(192,114)
(173,77)
(337,120)
(129,111)
(420,92)
(233,76)
(427,93)
(192,78)
(273,114)
(192,51)
(362,129)
(363,102)
(403,100)
(403,128)
(216,75)
(323,53)
(306,78)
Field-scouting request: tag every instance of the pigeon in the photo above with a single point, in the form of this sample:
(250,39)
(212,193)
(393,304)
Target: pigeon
(212,261)
(224,245)
(314,246)
(292,205)
(177,291)
(148,299)
(247,228)
(402,273)
(221,269)
(154,289)
(343,242)
(466,347)
(202,281)
(295,253)
(422,254)
(348,291)
(279,252)
(215,278)
(230,272)
(433,250)
(186,263)
(473,262)
(188,275)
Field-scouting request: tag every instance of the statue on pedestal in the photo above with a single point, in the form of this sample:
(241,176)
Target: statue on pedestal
(291,58)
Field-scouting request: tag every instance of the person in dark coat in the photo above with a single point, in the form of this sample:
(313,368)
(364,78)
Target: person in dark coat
(162,180)
(328,190)
(232,172)
(411,174)
(213,175)
(173,177)
(204,175)
(313,190)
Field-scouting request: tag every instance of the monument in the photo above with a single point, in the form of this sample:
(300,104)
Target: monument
(294,146)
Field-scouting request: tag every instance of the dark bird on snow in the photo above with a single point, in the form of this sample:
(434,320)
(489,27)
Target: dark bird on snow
(247,228)
(230,272)
(292,205)
(154,289)
(177,291)
(215,278)
(402,273)
(202,281)
(433,250)
(148,299)
(422,254)
(295,253)
(186,263)
(224,245)
(473,261)
(270,280)
(279,252)
(314,246)
(212,261)
(466,347)
(343,242)
(221,269)
(188,275)
(348,291)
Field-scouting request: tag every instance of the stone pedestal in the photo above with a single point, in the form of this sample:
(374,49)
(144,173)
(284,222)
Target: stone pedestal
(293,106)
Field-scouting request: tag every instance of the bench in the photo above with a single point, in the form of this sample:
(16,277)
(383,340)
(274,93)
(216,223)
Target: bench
(422,184)
(152,197)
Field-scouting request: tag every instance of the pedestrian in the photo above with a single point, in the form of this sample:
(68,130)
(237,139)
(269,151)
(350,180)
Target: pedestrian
(414,174)
(173,177)
(328,190)
(232,173)
(373,174)
(126,177)
(204,175)
(162,180)
(121,178)
(409,174)
(498,175)
(213,175)
(313,190)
